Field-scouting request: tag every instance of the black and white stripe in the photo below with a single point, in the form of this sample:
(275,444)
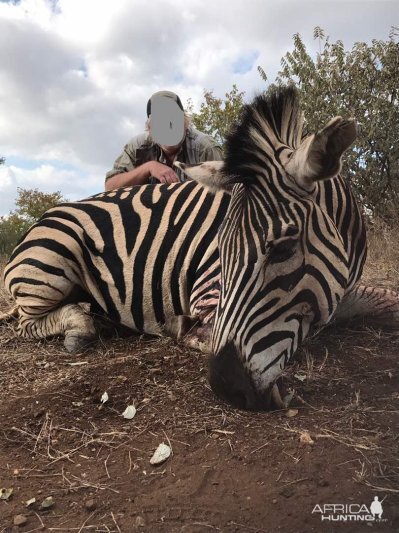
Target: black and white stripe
(281,251)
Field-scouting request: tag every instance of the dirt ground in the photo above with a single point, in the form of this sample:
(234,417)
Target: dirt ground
(230,470)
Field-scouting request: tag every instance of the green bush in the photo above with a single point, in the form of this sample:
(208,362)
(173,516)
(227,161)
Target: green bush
(31,204)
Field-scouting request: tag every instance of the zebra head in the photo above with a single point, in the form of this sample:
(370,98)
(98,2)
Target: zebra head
(284,266)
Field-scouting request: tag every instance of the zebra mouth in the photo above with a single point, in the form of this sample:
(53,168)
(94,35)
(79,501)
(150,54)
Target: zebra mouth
(229,380)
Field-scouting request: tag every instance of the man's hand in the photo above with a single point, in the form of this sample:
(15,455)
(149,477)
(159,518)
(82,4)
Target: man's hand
(162,173)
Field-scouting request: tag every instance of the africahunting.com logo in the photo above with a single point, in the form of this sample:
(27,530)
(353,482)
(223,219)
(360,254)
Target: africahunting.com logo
(350,512)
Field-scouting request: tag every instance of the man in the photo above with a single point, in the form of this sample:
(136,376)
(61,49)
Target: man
(169,137)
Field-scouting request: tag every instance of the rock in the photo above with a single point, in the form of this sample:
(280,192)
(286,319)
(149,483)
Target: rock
(129,412)
(161,454)
(47,503)
(305,438)
(90,505)
(5,494)
(30,502)
(20,520)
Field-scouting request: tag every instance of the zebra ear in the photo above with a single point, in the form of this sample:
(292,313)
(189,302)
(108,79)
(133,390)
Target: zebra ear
(319,156)
(208,174)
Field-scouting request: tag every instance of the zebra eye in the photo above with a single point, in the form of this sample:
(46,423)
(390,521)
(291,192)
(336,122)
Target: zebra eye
(282,251)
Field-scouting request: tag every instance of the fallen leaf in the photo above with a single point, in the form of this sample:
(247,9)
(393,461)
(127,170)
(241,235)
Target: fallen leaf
(291,412)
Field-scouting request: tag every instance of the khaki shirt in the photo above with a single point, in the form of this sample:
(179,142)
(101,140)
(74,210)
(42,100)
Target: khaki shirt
(196,148)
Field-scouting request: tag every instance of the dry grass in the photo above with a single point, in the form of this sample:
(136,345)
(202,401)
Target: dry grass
(382,266)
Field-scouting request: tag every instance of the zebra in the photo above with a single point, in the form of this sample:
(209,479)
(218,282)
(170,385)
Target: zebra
(240,262)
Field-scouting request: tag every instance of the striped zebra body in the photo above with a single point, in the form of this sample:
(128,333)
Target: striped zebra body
(266,245)
(142,254)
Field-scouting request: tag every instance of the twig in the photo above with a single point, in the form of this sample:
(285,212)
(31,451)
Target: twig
(170,444)
(376,487)
(84,523)
(106,469)
(295,481)
(113,518)
(130,463)
(87,484)
(248,527)
(40,520)
(260,447)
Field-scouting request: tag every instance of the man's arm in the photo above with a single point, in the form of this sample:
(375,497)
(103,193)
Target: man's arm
(137,176)
(141,175)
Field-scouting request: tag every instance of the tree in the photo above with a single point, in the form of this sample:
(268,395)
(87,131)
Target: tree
(363,83)
(217,115)
(31,204)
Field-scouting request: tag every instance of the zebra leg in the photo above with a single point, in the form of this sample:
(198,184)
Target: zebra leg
(371,306)
(70,320)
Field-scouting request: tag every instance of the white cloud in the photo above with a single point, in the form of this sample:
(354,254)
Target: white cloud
(75,75)
(46,178)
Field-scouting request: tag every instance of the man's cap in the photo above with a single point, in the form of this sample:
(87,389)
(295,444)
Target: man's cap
(167,118)
(166,94)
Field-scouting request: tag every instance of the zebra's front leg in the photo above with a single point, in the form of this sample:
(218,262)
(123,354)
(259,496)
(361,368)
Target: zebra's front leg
(70,320)
(371,306)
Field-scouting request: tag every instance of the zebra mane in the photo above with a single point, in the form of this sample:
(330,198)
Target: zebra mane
(272,119)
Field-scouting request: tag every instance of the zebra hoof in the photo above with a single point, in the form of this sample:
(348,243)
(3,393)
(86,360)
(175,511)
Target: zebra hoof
(78,343)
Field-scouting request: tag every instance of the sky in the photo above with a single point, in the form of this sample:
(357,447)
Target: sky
(75,75)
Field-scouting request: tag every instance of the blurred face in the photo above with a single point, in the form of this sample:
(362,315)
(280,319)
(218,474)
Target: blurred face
(173,150)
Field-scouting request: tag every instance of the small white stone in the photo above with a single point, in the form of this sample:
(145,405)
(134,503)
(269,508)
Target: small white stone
(129,412)
(161,454)
(104,397)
